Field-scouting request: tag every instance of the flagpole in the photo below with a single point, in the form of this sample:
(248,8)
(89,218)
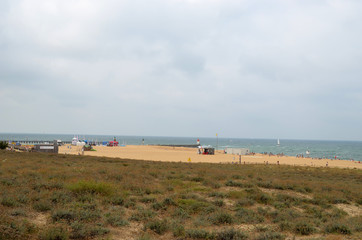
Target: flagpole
(217,141)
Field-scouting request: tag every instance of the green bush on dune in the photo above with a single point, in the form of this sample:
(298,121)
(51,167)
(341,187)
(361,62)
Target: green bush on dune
(3,145)
(91,187)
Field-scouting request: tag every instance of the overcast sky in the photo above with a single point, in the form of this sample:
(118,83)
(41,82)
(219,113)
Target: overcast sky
(244,69)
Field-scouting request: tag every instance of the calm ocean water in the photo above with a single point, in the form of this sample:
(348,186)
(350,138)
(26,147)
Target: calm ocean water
(320,149)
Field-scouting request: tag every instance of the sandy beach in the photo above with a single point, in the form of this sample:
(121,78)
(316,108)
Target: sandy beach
(179,154)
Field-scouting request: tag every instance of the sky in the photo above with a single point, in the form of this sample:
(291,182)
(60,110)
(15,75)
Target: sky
(241,69)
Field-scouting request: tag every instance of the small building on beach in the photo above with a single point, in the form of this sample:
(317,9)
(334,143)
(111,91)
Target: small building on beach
(237,151)
(206,150)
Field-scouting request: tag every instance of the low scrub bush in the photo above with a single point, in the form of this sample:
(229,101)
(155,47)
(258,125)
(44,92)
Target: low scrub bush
(18,212)
(178,230)
(338,228)
(244,202)
(142,215)
(91,187)
(217,194)
(244,215)
(221,218)
(117,200)
(13,229)
(9,201)
(304,228)
(63,214)
(86,231)
(42,206)
(148,200)
(180,213)
(158,226)
(229,234)
(54,233)
(236,194)
(115,220)
(260,197)
(198,234)
(168,202)
(268,235)
(61,197)
(218,203)
(192,206)
(231,183)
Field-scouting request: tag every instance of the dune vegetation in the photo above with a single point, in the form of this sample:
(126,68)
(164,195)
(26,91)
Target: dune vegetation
(49,196)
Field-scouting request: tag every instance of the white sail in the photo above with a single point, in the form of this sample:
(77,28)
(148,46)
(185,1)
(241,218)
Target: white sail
(278,142)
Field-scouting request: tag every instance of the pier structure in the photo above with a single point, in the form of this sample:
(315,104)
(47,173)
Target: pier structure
(33,142)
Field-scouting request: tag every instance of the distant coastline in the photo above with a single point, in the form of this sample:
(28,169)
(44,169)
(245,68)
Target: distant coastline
(326,149)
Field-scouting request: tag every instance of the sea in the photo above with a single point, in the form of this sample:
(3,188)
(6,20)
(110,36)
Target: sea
(345,150)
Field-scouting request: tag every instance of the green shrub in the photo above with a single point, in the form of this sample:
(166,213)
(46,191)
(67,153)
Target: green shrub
(229,234)
(54,233)
(159,227)
(231,183)
(18,212)
(168,202)
(61,197)
(244,202)
(86,231)
(244,215)
(197,179)
(338,228)
(198,234)
(91,187)
(142,215)
(63,214)
(14,229)
(285,226)
(218,203)
(115,220)
(261,198)
(221,218)
(178,231)
(148,200)
(3,144)
(89,215)
(236,194)
(180,213)
(42,206)
(217,194)
(117,200)
(192,206)
(9,202)
(303,228)
(270,236)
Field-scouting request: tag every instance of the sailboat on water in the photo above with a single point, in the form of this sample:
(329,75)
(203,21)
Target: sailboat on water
(278,142)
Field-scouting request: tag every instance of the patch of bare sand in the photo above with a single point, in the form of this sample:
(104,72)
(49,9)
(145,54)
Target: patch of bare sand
(39,219)
(286,192)
(351,210)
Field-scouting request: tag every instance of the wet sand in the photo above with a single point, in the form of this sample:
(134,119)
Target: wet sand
(179,154)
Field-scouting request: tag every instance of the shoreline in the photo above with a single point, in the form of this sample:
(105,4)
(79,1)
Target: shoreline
(182,154)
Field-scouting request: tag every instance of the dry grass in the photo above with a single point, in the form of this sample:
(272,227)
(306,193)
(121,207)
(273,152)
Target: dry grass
(77,197)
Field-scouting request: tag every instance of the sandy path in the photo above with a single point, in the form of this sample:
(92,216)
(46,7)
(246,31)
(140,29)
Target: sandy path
(178,154)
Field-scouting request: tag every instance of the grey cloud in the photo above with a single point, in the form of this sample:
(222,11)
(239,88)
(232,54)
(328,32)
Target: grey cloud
(171,67)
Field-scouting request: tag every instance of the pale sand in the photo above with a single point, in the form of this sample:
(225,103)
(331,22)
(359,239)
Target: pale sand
(178,154)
